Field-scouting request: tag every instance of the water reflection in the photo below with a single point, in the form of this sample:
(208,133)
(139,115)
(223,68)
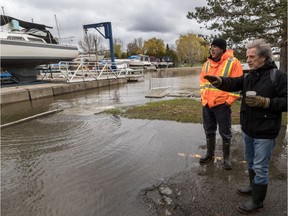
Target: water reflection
(78,165)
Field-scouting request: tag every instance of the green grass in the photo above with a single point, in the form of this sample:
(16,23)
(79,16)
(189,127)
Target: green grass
(180,110)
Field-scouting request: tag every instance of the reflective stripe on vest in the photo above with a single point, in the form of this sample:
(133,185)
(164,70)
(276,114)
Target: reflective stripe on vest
(207,66)
(227,67)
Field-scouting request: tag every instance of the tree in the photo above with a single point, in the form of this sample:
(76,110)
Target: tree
(172,55)
(90,44)
(191,49)
(135,47)
(118,44)
(242,20)
(154,47)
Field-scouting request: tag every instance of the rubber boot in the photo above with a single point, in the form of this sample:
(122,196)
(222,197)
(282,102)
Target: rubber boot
(210,150)
(247,191)
(256,202)
(226,155)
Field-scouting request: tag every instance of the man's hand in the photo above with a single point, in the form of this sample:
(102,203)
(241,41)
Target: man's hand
(214,80)
(257,101)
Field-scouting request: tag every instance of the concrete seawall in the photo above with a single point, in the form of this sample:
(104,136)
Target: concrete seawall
(13,94)
(24,92)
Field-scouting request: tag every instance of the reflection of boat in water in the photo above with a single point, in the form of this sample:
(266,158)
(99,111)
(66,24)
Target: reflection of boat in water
(25,45)
(139,61)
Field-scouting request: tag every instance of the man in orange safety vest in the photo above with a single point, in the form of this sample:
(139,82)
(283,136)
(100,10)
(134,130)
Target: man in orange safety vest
(216,103)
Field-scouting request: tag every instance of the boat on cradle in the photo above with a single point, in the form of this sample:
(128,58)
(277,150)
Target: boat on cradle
(139,61)
(25,45)
(118,63)
(89,57)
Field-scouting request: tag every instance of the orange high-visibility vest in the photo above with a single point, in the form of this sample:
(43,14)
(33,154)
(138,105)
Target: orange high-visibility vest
(228,66)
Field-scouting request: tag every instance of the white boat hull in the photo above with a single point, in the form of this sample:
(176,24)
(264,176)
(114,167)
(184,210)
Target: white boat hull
(18,53)
(136,63)
(25,45)
(139,61)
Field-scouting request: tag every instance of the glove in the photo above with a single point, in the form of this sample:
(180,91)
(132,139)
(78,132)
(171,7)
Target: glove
(214,80)
(257,101)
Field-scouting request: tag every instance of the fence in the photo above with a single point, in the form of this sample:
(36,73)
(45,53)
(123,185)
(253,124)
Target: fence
(161,83)
(86,71)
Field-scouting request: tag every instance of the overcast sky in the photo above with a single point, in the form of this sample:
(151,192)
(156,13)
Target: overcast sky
(163,19)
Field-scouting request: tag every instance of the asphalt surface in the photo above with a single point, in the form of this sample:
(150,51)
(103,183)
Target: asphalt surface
(211,190)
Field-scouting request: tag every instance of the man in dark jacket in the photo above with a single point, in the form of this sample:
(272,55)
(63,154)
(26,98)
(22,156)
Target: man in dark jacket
(264,99)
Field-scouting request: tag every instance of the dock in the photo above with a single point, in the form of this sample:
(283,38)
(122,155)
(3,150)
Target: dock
(50,88)
(69,77)
(157,93)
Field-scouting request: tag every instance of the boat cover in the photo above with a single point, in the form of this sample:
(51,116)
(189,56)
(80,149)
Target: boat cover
(48,37)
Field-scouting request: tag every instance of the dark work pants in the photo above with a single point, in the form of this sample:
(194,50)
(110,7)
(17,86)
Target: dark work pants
(220,115)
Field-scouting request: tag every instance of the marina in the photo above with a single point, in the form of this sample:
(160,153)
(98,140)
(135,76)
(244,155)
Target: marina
(70,76)
(28,49)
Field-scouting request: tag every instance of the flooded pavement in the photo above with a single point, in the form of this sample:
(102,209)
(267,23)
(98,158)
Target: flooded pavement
(211,190)
(77,163)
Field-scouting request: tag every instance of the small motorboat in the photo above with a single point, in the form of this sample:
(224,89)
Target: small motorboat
(139,61)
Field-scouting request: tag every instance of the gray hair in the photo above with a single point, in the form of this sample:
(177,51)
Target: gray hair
(263,49)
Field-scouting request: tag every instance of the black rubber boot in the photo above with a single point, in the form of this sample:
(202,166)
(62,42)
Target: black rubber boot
(256,202)
(247,191)
(211,141)
(226,155)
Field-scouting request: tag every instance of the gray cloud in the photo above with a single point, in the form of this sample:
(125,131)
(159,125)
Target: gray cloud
(163,19)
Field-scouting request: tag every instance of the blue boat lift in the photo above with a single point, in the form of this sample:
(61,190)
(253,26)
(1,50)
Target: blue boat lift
(75,71)
(107,35)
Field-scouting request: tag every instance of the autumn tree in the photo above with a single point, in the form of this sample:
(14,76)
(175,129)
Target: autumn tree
(118,44)
(239,21)
(90,44)
(154,47)
(191,49)
(171,54)
(135,47)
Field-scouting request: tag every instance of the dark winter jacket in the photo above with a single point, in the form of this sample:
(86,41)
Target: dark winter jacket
(257,122)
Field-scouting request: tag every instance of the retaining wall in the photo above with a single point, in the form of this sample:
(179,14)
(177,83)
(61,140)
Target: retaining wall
(20,93)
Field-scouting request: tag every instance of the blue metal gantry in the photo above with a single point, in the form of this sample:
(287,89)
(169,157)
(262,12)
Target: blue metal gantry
(107,35)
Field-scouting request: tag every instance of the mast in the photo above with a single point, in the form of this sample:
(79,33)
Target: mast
(3,11)
(58,30)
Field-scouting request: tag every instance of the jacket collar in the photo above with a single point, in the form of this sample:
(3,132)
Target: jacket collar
(228,54)
(266,66)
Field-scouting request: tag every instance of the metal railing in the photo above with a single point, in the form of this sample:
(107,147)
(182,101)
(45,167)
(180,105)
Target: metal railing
(161,83)
(75,71)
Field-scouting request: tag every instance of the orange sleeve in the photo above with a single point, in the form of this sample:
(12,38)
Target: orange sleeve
(202,74)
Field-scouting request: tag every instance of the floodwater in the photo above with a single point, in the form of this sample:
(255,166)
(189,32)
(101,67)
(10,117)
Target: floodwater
(77,163)
(96,100)
(83,162)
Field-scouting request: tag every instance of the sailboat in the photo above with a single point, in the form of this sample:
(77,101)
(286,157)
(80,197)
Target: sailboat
(24,45)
